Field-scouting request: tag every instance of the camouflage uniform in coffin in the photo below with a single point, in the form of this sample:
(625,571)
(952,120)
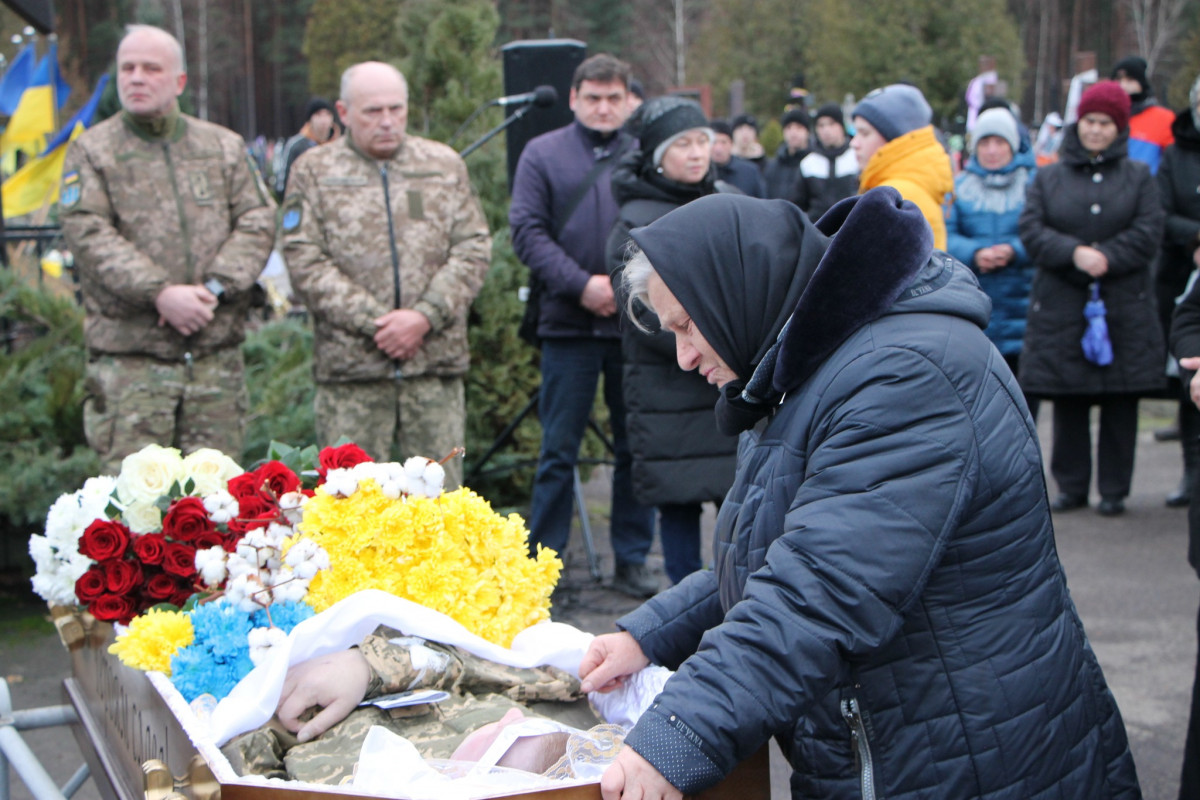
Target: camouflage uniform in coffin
(146,206)
(481,692)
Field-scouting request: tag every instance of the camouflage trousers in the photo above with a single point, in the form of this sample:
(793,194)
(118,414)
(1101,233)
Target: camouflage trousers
(423,416)
(133,401)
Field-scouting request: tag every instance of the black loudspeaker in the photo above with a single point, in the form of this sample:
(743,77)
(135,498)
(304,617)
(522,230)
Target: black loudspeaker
(531,63)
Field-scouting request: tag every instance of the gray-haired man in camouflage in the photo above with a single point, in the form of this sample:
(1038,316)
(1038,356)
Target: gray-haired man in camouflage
(387,246)
(170,225)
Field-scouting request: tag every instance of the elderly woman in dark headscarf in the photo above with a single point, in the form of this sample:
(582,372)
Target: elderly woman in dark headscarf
(886,598)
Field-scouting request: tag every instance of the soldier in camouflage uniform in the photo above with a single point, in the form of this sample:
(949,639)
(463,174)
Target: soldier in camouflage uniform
(170,225)
(387,246)
(481,692)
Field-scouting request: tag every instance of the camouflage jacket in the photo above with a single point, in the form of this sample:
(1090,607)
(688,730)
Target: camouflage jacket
(481,691)
(141,213)
(350,225)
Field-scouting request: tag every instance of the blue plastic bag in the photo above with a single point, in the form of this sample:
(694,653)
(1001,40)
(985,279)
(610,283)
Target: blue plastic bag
(1097,348)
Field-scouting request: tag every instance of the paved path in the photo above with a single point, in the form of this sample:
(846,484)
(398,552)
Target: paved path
(1128,575)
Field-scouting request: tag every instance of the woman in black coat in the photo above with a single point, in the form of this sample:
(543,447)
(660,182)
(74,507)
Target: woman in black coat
(1183,240)
(679,458)
(1093,219)
(1179,183)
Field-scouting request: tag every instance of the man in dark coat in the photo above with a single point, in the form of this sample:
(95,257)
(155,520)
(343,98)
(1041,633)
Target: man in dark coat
(1185,345)
(563,246)
(781,171)
(830,172)
(1178,178)
(1093,218)
(733,170)
(886,598)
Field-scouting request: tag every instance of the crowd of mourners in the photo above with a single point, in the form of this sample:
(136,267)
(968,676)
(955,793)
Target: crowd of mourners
(844,347)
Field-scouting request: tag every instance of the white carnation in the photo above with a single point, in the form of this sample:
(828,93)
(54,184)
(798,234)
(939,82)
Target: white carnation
(142,517)
(292,506)
(149,474)
(262,640)
(340,483)
(43,553)
(209,470)
(222,507)
(210,563)
(293,591)
(415,467)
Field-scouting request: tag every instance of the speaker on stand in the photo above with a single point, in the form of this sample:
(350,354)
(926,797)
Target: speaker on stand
(531,63)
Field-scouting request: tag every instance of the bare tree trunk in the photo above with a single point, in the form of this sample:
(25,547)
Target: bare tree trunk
(680,45)
(177,8)
(1039,90)
(1156,26)
(251,106)
(202,44)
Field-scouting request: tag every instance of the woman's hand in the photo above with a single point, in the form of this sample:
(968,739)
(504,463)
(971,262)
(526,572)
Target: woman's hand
(1090,260)
(609,660)
(634,778)
(1193,363)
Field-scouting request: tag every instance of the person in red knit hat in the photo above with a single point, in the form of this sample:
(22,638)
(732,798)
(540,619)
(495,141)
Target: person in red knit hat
(1092,223)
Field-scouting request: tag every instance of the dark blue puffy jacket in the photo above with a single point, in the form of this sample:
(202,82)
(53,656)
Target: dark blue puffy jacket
(887,600)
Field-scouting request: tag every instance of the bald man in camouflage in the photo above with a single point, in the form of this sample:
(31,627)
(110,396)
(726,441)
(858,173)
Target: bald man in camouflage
(170,225)
(387,246)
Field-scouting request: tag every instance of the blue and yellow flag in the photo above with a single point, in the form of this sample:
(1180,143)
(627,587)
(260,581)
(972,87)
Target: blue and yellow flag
(34,116)
(16,80)
(36,184)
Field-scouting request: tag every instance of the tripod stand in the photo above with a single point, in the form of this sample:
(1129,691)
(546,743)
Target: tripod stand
(505,436)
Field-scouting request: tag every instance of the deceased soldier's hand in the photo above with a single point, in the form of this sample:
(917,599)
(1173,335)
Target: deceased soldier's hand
(335,684)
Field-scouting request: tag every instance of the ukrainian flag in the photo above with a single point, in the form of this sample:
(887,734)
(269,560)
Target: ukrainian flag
(16,80)
(34,117)
(36,184)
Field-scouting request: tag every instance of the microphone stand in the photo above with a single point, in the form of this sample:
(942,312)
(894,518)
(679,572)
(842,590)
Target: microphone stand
(509,120)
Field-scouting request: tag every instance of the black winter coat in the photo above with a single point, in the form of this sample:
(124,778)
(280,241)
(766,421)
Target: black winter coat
(886,599)
(1179,184)
(780,172)
(678,454)
(1185,343)
(1110,203)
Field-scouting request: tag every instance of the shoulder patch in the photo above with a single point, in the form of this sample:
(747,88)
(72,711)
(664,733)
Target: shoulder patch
(70,192)
(291,217)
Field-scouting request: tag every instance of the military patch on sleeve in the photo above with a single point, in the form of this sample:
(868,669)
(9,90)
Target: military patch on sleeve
(70,192)
(291,217)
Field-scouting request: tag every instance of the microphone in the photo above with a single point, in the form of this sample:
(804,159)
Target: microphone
(541,97)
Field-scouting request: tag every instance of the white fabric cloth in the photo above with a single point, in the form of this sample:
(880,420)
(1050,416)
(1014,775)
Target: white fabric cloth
(252,702)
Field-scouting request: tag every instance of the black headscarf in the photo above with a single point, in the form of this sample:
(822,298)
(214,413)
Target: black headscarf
(738,265)
(773,294)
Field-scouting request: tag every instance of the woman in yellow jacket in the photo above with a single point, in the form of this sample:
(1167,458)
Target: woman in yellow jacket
(896,146)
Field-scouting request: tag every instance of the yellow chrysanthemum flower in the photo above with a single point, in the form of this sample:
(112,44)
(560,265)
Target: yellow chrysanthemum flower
(152,639)
(451,553)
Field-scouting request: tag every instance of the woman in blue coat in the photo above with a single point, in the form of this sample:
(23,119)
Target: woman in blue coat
(886,599)
(981,227)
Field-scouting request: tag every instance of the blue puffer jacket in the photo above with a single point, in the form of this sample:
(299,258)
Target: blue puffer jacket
(986,208)
(887,600)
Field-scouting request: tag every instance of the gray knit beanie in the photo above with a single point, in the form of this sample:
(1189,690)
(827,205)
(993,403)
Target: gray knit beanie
(996,122)
(895,110)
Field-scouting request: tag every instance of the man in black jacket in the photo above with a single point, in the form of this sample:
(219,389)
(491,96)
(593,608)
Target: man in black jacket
(830,172)
(782,170)
(560,235)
